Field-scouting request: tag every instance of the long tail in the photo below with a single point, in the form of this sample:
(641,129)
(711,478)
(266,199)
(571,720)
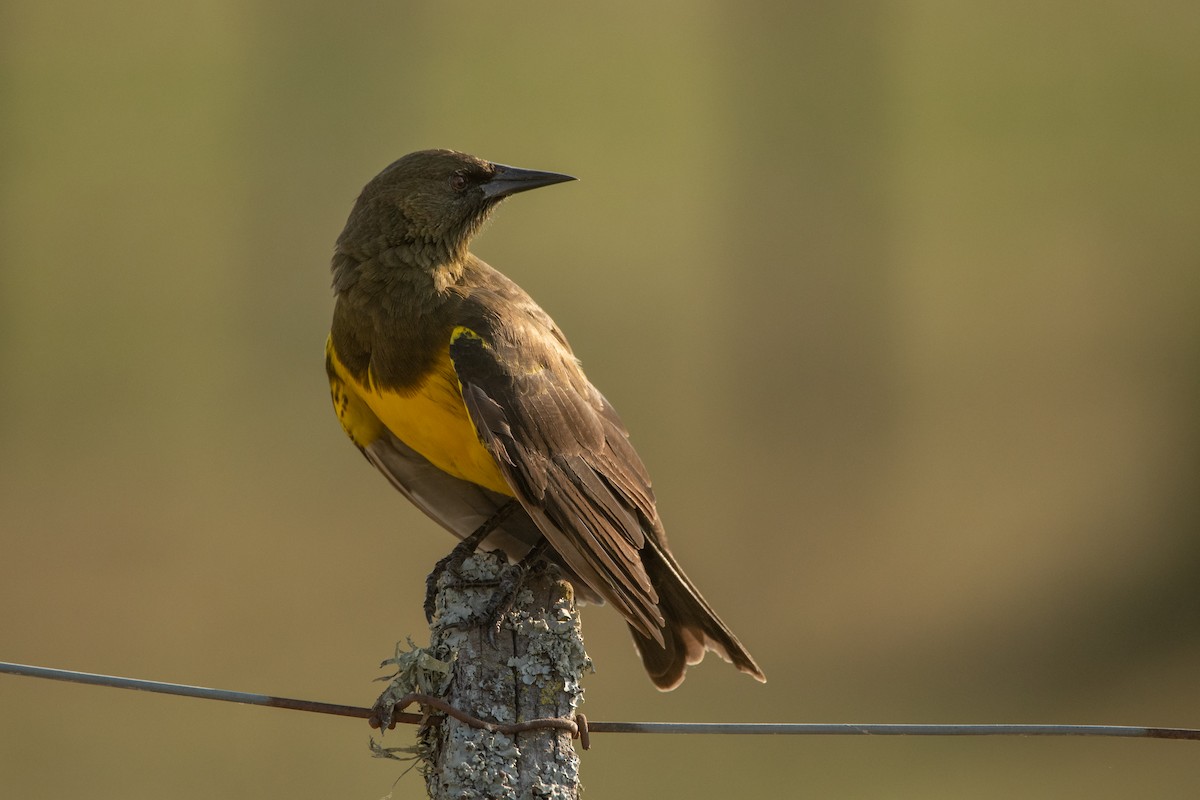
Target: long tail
(691,628)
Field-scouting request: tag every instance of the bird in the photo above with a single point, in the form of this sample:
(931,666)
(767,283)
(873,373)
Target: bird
(465,394)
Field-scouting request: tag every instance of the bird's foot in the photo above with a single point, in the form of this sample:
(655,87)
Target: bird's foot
(454,561)
(451,563)
(510,584)
(489,609)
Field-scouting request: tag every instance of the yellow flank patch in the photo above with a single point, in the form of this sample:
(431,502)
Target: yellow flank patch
(431,419)
(463,330)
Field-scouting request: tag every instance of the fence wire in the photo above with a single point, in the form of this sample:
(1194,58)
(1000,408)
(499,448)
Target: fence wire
(727,728)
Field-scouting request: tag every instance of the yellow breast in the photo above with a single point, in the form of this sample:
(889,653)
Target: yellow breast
(431,419)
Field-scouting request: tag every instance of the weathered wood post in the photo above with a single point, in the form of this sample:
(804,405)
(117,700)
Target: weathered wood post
(532,672)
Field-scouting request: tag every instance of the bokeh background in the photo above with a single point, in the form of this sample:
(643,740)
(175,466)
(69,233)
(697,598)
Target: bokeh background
(901,301)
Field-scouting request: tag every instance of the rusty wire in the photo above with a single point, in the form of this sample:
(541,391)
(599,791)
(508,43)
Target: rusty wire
(577,727)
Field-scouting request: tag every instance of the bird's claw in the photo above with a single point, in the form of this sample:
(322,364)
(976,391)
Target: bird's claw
(461,552)
(452,563)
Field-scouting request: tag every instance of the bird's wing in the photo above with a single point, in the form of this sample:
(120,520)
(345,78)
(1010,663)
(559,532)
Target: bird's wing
(567,458)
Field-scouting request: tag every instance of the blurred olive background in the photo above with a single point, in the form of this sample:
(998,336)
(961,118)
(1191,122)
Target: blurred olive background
(900,301)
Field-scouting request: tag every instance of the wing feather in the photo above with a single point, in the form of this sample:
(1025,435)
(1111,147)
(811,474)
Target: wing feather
(549,431)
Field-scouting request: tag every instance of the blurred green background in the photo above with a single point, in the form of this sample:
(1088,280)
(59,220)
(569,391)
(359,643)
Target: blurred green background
(899,299)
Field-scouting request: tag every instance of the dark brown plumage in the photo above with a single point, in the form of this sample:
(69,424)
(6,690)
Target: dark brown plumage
(464,393)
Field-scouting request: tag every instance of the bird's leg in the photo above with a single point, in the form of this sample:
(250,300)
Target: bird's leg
(510,583)
(460,552)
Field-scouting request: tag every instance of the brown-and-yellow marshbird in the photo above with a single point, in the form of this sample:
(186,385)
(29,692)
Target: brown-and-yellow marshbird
(463,392)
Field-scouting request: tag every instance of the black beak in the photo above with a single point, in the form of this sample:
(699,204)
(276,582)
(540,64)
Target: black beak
(510,180)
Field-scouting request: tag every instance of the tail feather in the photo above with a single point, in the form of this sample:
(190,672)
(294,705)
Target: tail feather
(691,628)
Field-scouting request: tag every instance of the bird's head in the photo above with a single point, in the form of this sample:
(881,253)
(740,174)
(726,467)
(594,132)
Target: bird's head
(432,202)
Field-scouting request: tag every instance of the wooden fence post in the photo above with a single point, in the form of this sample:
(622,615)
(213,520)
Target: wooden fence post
(532,672)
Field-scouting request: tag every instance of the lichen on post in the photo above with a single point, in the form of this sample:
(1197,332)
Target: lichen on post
(533,671)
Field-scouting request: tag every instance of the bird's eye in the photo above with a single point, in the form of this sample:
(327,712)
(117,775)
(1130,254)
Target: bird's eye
(458,182)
